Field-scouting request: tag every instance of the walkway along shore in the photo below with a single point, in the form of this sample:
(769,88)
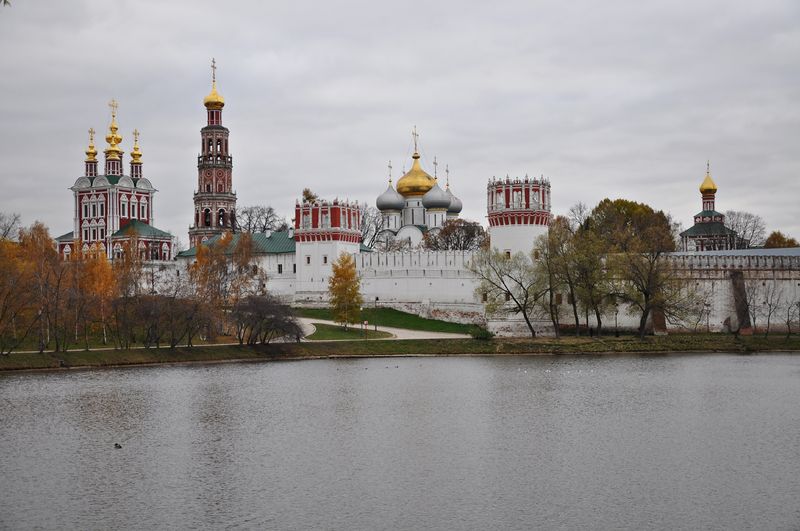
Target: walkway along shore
(670,344)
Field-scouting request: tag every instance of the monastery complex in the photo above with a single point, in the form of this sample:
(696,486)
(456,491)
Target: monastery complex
(111,207)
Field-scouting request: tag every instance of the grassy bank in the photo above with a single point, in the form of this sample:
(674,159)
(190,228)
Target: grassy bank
(440,347)
(391,318)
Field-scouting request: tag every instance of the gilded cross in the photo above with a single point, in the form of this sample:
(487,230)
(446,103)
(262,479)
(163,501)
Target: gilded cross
(213,70)
(435,166)
(135,136)
(91,135)
(113,104)
(708,167)
(416,138)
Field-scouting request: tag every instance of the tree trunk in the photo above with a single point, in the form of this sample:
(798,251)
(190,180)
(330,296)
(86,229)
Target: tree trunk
(599,320)
(643,322)
(530,326)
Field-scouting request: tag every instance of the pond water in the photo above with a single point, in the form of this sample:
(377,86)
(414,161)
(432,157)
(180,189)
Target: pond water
(629,442)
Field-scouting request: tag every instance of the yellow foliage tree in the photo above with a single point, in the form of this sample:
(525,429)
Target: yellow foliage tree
(344,290)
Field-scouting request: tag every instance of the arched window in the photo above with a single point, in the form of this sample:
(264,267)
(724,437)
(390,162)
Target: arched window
(207,217)
(220,188)
(221,217)
(208,187)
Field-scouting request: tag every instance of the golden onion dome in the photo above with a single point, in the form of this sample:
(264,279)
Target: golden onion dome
(416,182)
(708,183)
(214,100)
(91,151)
(136,153)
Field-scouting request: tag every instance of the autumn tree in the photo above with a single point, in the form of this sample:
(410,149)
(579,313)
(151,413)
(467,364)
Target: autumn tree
(638,239)
(48,276)
(101,287)
(309,196)
(456,235)
(777,239)
(18,309)
(224,272)
(509,285)
(344,289)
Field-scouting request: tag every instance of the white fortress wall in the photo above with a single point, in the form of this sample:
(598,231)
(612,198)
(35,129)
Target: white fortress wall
(434,284)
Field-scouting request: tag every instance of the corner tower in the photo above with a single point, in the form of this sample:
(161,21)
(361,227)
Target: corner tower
(214,200)
(519,212)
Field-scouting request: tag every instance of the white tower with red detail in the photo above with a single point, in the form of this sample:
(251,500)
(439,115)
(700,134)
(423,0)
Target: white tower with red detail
(519,212)
(322,231)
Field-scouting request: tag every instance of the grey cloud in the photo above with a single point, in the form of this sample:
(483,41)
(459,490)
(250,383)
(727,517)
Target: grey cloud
(619,99)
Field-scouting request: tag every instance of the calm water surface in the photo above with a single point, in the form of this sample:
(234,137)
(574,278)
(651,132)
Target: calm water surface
(677,442)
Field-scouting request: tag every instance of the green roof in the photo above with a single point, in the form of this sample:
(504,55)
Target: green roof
(68,237)
(713,228)
(708,214)
(140,228)
(277,242)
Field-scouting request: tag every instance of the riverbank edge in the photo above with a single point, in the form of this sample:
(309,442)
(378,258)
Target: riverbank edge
(207,354)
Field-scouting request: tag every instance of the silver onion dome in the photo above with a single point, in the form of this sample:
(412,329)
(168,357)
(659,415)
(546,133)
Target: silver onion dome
(455,204)
(390,200)
(436,198)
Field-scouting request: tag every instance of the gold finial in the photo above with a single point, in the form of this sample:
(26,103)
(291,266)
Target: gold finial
(113,138)
(91,151)
(390,172)
(435,167)
(708,185)
(214,100)
(136,153)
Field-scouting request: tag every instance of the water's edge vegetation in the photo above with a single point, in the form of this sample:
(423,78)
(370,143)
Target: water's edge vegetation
(678,343)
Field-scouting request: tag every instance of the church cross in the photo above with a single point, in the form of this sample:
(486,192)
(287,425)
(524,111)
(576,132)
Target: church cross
(416,138)
(213,70)
(113,104)
(390,171)
(435,166)
(136,136)
(447,172)
(91,135)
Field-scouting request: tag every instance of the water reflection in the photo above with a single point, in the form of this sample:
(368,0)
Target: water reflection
(473,443)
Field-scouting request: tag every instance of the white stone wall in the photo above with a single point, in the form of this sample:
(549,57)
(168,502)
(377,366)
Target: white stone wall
(433,284)
(314,260)
(515,238)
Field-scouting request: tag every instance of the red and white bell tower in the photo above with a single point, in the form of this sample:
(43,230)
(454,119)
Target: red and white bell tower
(519,212)
(214,200)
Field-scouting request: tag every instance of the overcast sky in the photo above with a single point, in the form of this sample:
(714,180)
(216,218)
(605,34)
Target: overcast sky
(607,99)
